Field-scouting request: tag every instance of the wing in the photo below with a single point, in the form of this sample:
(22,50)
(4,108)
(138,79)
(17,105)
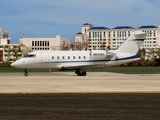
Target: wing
(84,67)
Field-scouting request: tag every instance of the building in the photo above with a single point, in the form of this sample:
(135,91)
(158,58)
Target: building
(4,37)
(103,38)
(153,38)
(44,43)
(119,34)
(99,38)
(11,52)
(84,35)
(94,37)
(4,40)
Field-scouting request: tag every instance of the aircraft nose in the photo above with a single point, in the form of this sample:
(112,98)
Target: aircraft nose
(14,64)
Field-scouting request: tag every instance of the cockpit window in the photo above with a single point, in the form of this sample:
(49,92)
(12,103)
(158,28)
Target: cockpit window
(30,56)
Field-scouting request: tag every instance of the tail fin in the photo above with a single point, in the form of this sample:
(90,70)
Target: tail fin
(133,43)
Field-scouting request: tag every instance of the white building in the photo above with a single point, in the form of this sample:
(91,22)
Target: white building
(153,37)
(95,37)
(119,34)
(4,40)
(83,37)
(99,38)
(44,43)
(4,37)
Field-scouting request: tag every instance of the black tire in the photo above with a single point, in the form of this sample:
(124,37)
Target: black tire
(25,74)
(77,72)
(84,73)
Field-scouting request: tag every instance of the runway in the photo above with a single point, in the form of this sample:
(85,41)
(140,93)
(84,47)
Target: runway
(65,96)
(68,82)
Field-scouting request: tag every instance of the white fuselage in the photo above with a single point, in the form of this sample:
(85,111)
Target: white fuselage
(71,59)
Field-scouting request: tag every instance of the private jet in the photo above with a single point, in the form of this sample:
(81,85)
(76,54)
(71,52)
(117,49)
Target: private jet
(80,61)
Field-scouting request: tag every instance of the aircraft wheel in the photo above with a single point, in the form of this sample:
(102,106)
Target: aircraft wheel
(77,72)
(26,74)
(84,73)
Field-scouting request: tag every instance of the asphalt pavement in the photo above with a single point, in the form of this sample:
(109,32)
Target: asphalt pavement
(79,106)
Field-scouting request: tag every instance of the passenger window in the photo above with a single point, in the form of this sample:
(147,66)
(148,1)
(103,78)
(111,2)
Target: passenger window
(73,57)
(52,57)
(68,57)
(79,57)
(84,57)
(57,57)
(63,57)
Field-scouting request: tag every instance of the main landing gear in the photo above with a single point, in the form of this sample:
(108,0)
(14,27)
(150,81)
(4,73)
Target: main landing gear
(80,72)
(25,72)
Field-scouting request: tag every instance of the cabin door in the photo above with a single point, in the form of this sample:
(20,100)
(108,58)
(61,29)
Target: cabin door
(45,57)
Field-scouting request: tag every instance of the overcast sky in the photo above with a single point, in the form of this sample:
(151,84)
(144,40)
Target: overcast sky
(48,18)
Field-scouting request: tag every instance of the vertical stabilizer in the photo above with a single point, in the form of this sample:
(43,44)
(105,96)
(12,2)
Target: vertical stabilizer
(133,43)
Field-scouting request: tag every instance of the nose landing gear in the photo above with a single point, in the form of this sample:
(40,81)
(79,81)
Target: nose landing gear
(25,72)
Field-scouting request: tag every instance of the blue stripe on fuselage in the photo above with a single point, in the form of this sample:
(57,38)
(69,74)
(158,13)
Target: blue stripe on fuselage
(127,58)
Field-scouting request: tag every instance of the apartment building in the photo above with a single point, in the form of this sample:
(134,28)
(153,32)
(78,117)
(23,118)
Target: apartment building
(119,34)
(97,38)
(44,43)
(153,37)
(11,52)
(103,38)
(4,39)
